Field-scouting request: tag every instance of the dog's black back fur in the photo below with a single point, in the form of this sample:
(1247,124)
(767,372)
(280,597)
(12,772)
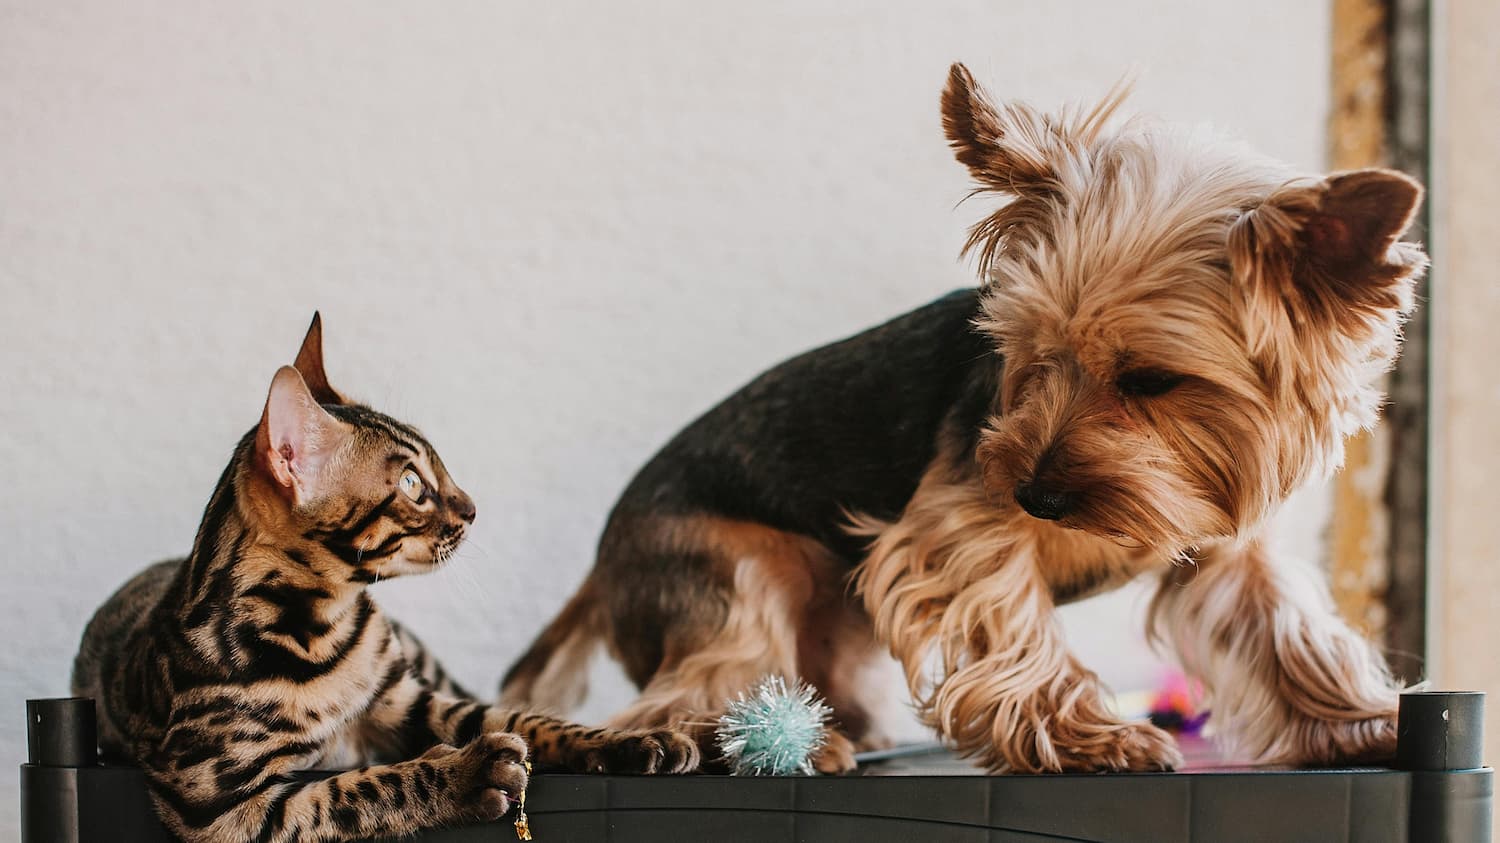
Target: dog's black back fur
(849,427)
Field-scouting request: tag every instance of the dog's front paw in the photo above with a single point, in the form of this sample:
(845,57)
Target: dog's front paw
(662,751)
(1371,740)
(1128,747)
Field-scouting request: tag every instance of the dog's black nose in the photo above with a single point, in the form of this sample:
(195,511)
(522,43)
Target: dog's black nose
(1047,504)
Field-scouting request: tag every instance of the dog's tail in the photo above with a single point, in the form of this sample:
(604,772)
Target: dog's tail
(552,675)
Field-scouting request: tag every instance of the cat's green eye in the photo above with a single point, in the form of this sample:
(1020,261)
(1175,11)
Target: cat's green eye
(411,485)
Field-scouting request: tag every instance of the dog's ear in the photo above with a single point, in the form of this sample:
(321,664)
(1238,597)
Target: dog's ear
(1013,148)
(1004,148)
(1326,255)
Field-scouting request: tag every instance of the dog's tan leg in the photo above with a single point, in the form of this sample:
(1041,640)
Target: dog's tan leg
(947,581)
(1288,681)
(839,655)
(776,578)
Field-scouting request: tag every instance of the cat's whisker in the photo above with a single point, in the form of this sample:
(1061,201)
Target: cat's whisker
(476,581)
(470,544)
(471,580)
(456,599)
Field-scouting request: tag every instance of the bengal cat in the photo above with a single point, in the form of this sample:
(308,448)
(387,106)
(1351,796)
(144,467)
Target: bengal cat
(261,654)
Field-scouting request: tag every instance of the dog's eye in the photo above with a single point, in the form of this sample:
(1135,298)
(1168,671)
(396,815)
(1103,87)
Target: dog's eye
(1147,383)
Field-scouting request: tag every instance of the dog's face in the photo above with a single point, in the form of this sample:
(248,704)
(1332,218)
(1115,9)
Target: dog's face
(1189,333)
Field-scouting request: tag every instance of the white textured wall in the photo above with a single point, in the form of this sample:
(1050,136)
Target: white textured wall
(1463,627)
(548,233)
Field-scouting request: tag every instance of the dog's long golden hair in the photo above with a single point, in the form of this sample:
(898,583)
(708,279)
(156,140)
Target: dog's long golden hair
(1172,335)
(1190,331)
(1140,246)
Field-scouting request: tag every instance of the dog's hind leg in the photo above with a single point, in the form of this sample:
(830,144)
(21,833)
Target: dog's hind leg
(1288,680)
(771,586)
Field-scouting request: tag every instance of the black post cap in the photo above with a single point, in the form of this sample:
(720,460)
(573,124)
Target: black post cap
(61,732)
(1440,730)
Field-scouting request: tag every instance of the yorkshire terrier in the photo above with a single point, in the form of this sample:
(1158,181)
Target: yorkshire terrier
(1172,335)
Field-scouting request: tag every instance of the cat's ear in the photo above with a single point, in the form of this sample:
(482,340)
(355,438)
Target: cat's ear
(296,437)
(309,364)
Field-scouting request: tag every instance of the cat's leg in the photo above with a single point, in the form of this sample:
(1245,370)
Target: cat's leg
(445,786)
(424,664)
(1288,681)
(414,715)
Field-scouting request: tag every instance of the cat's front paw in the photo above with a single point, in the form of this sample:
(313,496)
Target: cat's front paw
(494,774)
(662,751)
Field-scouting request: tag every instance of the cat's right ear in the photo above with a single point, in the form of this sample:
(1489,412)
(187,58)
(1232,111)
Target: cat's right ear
(296,437)
(309,364)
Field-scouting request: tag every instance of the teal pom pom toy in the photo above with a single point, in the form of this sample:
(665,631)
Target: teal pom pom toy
(773,730)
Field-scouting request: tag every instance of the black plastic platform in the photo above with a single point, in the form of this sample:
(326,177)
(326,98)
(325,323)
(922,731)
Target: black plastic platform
(904,800)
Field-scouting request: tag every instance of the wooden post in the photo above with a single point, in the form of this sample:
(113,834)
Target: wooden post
(1357,138)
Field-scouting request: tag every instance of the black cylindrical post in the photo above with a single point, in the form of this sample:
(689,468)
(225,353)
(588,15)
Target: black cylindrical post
(61,732)
(1440,740)
(1440,730)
